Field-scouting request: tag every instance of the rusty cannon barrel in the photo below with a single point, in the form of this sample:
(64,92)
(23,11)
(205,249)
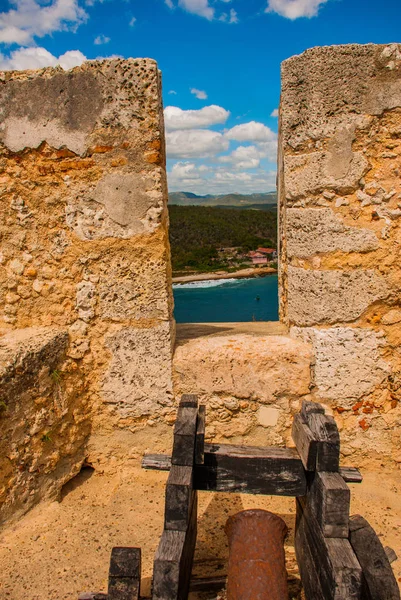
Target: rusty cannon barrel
(256,564)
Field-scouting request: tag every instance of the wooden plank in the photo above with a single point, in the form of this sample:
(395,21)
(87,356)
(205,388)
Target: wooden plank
(391,555)
(173,562)
(189,401)
(124,574)
(250,470)
(184,435)
(207,584)
(351,474)
(309,408)
(179,498)
(325,431)
(162,462)
(305,443)
(200,435)
(156,462)
(337,573)
(328,502)
(308,570)
(379,579)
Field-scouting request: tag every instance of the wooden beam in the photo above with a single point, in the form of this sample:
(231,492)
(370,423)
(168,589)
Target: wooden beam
(156,462)
(162,462)
(179,498)
(309,408)
(207,584)
(379,579)
(124,574)
(250,470)
(391,554)
(351,474)
(325,431)
(189,401)
(173,562)
(200,435)
(317,440)
(185,433)
(328,502)
(328,566)
(305,443)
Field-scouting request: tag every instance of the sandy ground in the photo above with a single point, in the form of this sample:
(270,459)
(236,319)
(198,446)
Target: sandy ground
(251,272)
(190,331)
(62,549)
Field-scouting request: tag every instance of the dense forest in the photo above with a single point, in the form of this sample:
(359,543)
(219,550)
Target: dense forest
(198,233)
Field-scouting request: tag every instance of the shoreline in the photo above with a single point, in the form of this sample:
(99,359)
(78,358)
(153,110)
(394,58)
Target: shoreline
(241,274)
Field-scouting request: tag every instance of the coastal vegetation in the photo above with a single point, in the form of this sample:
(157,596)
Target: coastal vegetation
(205,238)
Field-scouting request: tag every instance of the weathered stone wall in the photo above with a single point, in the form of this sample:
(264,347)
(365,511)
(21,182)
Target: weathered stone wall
(252,385)
(44,418)
(340,230)
(84,244)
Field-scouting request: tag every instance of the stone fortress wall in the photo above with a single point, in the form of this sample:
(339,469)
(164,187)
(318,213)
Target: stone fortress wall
(84,266)
(340,232)
(88,368)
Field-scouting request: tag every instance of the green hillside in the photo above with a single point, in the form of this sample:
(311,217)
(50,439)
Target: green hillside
(197,233)
(240,200)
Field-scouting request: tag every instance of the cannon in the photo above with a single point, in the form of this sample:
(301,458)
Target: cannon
(339,556)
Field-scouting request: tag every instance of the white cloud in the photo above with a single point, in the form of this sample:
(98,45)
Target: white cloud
(132,22)
(31,19)
(187,176)
(101,39)
(37,58)
(195,143)
(251,132)
(169,3)
(175,118)
(173,92)
(274,113)
(244,157)
(233,16)
(200,94)
(198,7)
(269,150)
(293,9)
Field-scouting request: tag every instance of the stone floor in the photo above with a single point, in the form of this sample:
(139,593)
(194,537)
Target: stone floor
(61,549)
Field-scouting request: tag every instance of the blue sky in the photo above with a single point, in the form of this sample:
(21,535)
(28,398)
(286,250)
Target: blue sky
(220,61)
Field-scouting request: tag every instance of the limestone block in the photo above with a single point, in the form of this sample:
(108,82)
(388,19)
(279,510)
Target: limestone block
(268,416)
(311,173)
(244,367)
(65,108)
(310,231)
(134,287)
(317,297)
(333,87)
(86,300)
(393,316)
(138,381)
(347,362)
(120,205)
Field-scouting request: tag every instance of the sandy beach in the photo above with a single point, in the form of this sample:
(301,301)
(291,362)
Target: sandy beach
(243,273)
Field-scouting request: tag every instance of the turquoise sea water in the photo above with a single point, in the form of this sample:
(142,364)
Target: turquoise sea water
(227,301)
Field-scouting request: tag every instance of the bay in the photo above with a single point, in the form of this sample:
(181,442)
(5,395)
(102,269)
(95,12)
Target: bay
(227,301)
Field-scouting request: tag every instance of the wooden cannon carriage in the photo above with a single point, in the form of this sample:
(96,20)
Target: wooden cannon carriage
(339,557)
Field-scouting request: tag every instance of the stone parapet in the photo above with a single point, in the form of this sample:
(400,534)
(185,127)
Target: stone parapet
(340,217)
(84,227)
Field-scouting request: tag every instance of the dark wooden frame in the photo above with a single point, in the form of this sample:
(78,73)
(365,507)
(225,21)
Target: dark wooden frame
(331,547)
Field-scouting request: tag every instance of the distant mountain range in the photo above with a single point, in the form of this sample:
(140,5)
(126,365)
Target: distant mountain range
(237,200)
